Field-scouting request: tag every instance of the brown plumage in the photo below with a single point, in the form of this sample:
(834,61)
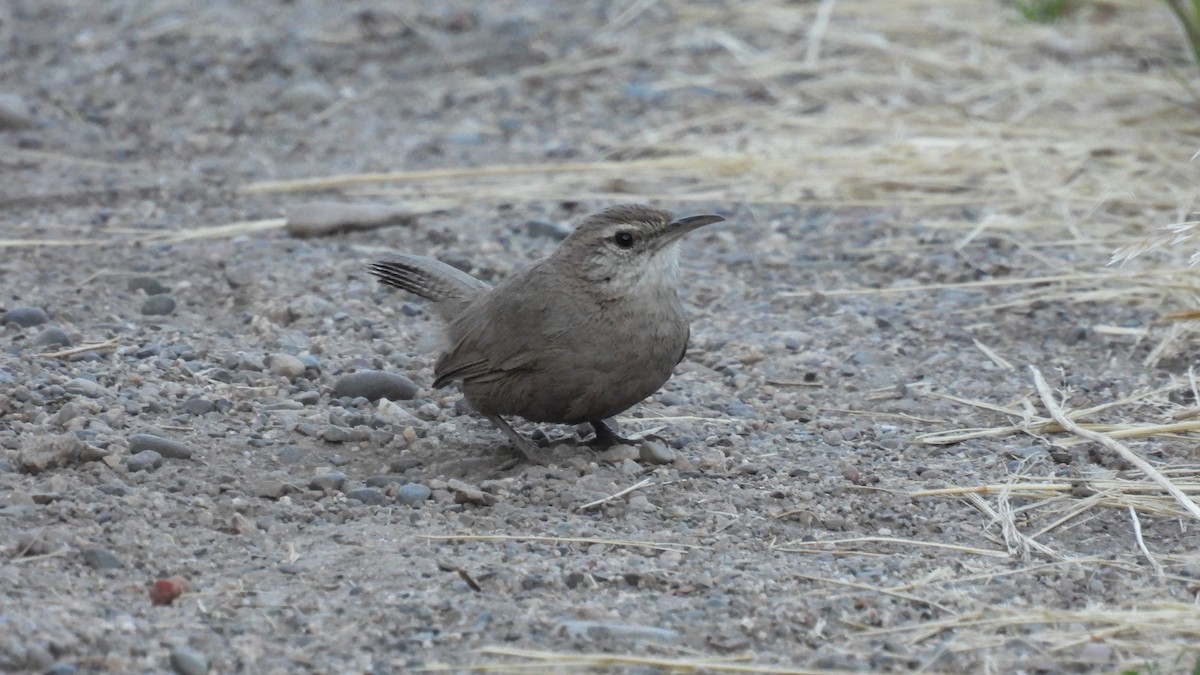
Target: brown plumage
(578,336)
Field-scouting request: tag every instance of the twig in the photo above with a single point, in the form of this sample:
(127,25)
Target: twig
(680,548)
(636,486)
(107,344)
(819,26)
(41,556)
(889,540)
(1137,535)
(1128,455)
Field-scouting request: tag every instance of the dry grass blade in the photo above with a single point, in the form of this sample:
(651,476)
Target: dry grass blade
(1173,627)
(968,285)
(37,243)
(82,349)
(678,548)
(616,495)
(221,231)
(1128,455)
(723,164)
(875,589)
(812,545)
(541,661)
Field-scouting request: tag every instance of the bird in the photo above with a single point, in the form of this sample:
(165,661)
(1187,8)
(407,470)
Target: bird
(578,336)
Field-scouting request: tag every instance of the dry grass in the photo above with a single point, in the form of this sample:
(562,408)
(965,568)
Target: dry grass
(536,661)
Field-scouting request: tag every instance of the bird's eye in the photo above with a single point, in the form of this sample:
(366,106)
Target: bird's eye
(623,239)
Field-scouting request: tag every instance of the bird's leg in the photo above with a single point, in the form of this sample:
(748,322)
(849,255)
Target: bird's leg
(523,446)
(606,437)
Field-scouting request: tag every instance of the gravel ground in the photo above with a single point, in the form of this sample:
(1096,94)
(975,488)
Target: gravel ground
(229,441)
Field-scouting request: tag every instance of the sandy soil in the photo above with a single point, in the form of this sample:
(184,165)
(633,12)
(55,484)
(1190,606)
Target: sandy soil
(922,145)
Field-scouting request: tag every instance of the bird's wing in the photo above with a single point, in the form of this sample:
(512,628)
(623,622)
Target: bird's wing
(503,335)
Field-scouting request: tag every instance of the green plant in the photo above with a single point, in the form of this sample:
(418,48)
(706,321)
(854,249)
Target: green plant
(1044,11)
(1189,18)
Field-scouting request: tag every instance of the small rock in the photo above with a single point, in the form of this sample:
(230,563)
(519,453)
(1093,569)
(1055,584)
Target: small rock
(618,453)
(413,493)
(271,488)
(146,460)
(656,453)
(385,480)
(465,493)
(101,559)
(166,447)
(14,112)
(47,452)
(285,365)
(148,285)
(1096,653)
(328,481)
(24,317)
(374,385)
(323,218)
(368,495)
(52,335)
(545,228)
(82,386)
(332,433)
(188,661)
(158,305)
(306,95)
(197,406)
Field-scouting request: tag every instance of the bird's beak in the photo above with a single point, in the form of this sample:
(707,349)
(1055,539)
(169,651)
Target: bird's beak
(681,226)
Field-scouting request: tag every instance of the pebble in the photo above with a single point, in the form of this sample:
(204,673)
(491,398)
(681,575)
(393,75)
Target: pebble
(84,387)
(160,445)
(146,460)
(148,285)
(47,452)
(14,112)
(52,335)
(368,495)
(306,95)
(197,406)
(323,218)
(385,480)
(328,481)
(545,228)
(272,488)
(465,493)
(101,559)
(332,433)
(413,493)
(618,453)
(374,385)
(285,365)
(24,317)
(656,453)
(188,661)
(158,305)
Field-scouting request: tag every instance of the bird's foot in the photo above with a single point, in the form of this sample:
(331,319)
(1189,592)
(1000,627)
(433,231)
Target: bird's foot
(525,449)
(606,437)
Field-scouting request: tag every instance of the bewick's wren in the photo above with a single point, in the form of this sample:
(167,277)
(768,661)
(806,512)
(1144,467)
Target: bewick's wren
(578,336)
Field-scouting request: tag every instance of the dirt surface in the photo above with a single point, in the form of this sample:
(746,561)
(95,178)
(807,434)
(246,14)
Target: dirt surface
(327,533)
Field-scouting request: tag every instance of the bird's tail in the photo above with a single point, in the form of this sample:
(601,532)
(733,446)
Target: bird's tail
(449,288)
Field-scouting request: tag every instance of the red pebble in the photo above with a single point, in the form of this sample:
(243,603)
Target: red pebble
(164,591)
